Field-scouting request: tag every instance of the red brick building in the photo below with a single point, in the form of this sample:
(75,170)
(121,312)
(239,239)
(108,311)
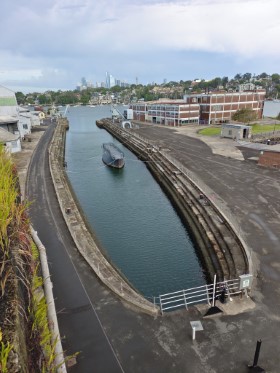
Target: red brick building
(218,107)
(168,112)
(211,108)
(270,158)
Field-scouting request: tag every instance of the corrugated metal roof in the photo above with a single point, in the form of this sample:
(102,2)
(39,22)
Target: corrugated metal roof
(7,136)
(231,125)
(8,119)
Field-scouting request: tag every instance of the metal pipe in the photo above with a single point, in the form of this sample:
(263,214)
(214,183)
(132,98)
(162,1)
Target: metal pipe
(52,317)
(214,291)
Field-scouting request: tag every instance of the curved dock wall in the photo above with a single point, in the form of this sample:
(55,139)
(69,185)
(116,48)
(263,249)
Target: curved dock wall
(228,256)
(79,231)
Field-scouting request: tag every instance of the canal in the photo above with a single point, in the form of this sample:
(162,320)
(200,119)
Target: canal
(132,218)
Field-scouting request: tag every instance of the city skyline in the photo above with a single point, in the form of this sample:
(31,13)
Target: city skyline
(150,41)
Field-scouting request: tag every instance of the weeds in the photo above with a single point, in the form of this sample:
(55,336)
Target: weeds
(5,350)
(19,266)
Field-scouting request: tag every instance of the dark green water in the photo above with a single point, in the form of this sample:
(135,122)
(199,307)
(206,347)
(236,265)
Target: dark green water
(129,213)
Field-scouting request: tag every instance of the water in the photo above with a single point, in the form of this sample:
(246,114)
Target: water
(271,109)
(129,213)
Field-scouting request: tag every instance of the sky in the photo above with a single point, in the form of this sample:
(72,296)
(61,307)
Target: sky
(52,44)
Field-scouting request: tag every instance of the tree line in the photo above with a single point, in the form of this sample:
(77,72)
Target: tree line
(153,91)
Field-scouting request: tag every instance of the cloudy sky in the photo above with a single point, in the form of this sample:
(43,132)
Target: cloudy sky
(52,44)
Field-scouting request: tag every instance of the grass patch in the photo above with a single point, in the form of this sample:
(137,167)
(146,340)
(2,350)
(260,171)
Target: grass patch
(210,131)
(256,128)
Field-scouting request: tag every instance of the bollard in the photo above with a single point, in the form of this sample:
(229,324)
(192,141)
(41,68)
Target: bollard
(193,333)
(257,353)
(255,367)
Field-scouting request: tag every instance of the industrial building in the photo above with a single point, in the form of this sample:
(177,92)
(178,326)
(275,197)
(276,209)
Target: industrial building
(204,108)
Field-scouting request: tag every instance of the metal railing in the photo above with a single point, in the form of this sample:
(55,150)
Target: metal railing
(197,295)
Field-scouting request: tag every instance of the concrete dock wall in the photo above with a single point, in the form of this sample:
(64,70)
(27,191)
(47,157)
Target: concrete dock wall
(83,238)
(220,248)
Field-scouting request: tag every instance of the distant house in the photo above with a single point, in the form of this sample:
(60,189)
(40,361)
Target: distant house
(41,115)
(246,87)
(10,140)
(35,118)
(24,123)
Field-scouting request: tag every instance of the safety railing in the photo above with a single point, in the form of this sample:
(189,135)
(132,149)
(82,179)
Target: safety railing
(204,294)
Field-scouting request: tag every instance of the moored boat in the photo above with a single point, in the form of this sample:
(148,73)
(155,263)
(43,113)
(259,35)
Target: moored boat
(112,155)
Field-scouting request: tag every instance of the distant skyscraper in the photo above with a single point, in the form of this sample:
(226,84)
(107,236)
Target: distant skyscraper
(107,80)
(84,82)
(110,81)
(136,80)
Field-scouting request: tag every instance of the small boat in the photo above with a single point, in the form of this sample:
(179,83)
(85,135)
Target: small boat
(112,155)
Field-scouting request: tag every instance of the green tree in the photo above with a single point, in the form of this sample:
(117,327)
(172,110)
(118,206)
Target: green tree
(44,99)
(224,81)
(20,98)
(263,75)
(244,115)
(85,97)
(238,77)
(247,77)
(275,78)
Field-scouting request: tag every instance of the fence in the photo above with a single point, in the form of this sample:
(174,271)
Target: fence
(265,135)
(198,295)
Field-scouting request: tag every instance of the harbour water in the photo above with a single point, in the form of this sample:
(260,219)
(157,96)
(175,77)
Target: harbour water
(132,218)
(271,109)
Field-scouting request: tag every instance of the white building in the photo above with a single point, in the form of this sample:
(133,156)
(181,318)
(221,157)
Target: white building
(25,122)
(236,131)
(10,140)
(36,118)
(9,112)
(246,87)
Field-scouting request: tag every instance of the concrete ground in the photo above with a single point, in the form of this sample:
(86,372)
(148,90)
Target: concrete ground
(227,343)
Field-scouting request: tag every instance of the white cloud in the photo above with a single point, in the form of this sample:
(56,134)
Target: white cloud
(62,40)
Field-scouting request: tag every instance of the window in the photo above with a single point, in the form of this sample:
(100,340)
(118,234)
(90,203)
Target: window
(25,126)
(217,108)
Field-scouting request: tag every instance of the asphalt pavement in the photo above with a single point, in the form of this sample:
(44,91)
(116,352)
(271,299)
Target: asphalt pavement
(113,337)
